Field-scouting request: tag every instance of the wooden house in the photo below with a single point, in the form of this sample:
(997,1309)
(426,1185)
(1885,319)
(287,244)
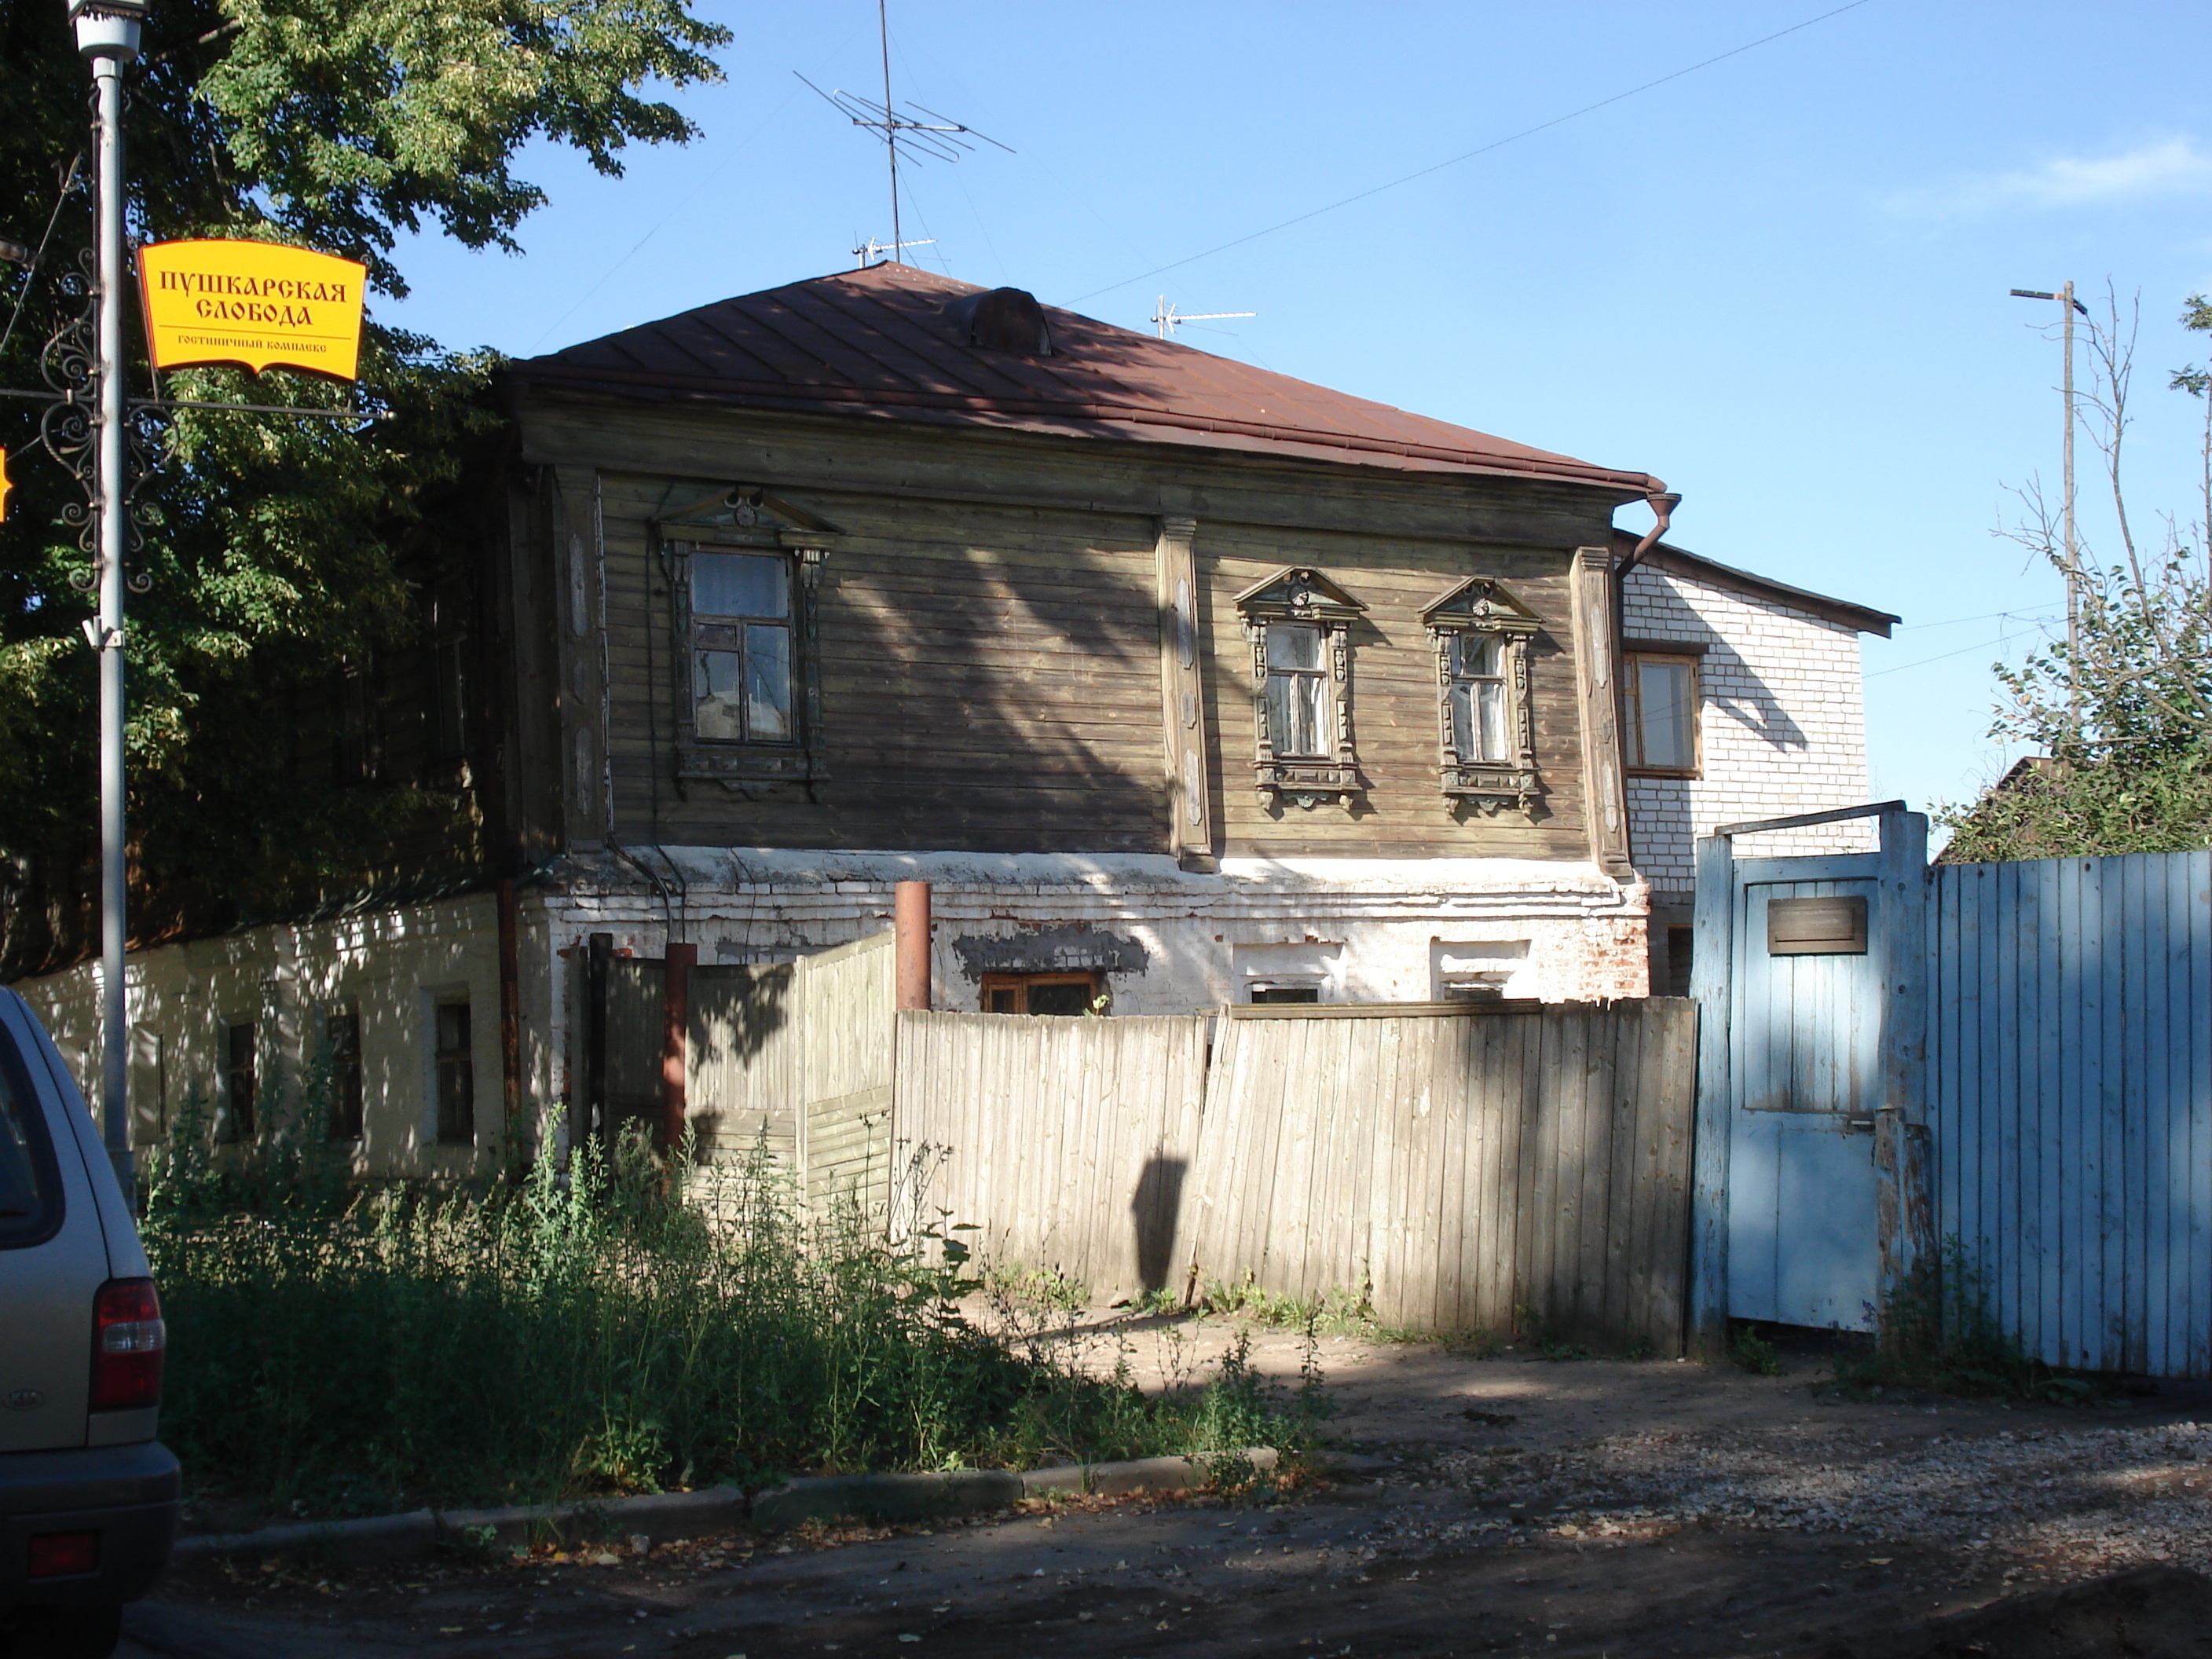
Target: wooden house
(1182,682)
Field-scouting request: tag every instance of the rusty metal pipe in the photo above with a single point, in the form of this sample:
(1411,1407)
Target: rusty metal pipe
(910,944)
(1664,502)
(676,1051)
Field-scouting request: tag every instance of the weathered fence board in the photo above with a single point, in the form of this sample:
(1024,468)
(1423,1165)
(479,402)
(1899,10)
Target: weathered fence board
(845,1106)
(2071,1056)
(1462,1166)
(743,1060)
(1066,1143)
(1459,1165)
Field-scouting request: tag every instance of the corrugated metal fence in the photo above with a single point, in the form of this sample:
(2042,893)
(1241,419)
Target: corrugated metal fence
(2071,1068)
(1461,1165)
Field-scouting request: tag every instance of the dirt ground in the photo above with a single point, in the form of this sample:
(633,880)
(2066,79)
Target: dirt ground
(1617,1509)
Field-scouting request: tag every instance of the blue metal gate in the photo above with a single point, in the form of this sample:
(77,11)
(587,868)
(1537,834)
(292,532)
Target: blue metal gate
(1811,1155)
(1804,1039)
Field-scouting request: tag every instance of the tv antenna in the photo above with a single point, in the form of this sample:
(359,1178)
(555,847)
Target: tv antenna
(872,250)
(1167,318)
(938,138)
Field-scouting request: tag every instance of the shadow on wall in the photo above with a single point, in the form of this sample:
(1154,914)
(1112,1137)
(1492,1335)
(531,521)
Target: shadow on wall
(1154,1212)
(1731,685)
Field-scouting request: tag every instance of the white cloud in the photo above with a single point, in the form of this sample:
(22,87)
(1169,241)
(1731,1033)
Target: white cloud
(2169,167)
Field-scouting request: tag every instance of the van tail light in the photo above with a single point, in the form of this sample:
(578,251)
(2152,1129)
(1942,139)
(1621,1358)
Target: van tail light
(63,1554)
(128,1342)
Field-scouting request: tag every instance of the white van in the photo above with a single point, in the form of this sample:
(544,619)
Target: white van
(87,1497)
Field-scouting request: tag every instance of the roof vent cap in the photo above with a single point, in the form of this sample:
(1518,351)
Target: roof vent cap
(1004,320)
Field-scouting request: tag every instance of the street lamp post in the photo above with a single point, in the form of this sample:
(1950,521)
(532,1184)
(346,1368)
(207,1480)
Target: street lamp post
(2068,305)
(107,35)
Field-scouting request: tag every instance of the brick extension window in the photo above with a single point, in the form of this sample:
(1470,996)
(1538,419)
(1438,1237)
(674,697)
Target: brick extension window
(1660,705)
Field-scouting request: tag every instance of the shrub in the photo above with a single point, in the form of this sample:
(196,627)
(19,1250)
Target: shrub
(621,1324)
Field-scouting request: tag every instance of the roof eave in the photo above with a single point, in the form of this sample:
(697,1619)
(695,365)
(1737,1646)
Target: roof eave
(621,386)
(1843,612)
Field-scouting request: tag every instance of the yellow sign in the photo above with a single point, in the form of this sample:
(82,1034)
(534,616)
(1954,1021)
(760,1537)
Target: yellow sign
(254,303)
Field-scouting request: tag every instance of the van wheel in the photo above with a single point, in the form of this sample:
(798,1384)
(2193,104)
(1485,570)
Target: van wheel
(67,1632)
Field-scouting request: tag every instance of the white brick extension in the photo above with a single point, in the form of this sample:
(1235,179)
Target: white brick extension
(1782,726)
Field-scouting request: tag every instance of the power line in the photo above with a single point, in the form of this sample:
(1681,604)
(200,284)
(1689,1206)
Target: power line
(1496,144)
(1998,643)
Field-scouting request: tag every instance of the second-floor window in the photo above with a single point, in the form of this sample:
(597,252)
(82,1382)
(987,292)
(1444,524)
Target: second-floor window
(742,646)
(1297,691)
(1659,697)
(1474,670)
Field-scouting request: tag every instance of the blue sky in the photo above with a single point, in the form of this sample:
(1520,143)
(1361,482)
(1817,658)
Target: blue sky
(1778,280)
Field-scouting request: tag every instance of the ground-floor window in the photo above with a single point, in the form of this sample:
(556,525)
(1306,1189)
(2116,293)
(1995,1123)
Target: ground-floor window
(457,1093)
(341,1038)
(1043,994)
(239,1082)
(1286,993)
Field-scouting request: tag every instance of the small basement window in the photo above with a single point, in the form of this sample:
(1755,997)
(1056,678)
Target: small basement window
(456,1076)
(1042,993)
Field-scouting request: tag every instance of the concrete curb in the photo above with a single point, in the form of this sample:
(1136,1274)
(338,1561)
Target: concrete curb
(665,1516)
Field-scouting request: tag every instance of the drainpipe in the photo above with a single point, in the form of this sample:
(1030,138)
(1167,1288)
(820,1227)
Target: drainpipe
(910,944)
(1664,502)
(510,1020)
(675,1054)
(597,963)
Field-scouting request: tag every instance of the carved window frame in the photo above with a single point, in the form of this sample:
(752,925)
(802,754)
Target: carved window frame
(1482,606)
(1300,594)
(742,520)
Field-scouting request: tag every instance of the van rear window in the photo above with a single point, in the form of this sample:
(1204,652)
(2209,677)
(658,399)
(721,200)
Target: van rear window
(30,1187)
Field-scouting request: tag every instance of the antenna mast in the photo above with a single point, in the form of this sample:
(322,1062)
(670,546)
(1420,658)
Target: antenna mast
(890,127)
(1167,318)
(940,136)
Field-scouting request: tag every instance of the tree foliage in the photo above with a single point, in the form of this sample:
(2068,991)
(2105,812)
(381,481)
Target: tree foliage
(2122,712)
(277,547)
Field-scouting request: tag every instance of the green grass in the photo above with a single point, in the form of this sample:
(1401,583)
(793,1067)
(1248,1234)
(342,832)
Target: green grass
(568,1332)
(1938,1333)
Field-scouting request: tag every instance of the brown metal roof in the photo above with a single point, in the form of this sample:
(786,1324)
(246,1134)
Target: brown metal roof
(880,343)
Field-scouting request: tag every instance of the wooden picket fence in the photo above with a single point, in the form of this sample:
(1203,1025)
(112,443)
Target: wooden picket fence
(1460,1167)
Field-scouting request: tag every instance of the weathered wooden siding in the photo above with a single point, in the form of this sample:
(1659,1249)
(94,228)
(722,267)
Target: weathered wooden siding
(1464,1166)
(745,1062)
(845,1114)
(989,636)
(2071,1066)
(990,680)
(1393,700)
(1066,1143)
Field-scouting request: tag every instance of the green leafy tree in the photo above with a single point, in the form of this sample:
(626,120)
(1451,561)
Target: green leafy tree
(277,548)
(2123,712)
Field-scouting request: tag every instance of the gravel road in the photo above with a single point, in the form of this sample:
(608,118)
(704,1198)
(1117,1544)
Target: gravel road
(1492,1504)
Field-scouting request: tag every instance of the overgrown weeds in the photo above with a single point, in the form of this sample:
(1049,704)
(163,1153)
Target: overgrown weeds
(613,1322)
(1752,1352)
(1940,1332)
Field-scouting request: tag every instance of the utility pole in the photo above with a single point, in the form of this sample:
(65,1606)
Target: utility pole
(107,35)
(2068,305)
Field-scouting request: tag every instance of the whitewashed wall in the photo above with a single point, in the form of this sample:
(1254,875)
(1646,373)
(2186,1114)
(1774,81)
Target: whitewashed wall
(390,964)
(1782,726)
